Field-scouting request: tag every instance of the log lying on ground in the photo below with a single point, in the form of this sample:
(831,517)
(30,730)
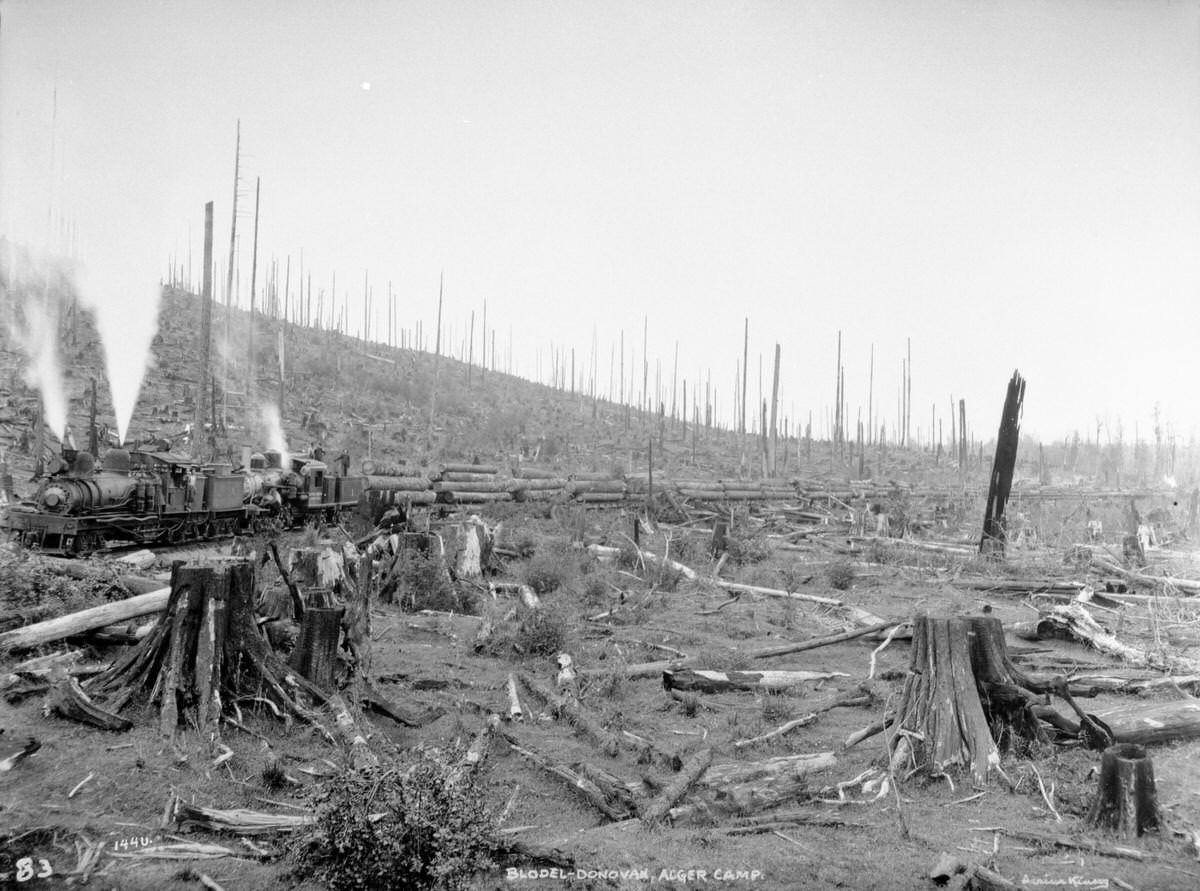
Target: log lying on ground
(603,739)
(741,788)
(375,701)
(1186,586)
(577,780)
(238,821)
(705,681)
(855,614)
(655,669)
(656,809)
(30,636)
(1074,621)
(68,700)
(1140,724)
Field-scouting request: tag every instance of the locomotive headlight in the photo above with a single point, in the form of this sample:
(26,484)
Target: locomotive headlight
(54,498)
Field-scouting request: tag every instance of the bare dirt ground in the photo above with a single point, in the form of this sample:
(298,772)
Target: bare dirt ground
(427,660)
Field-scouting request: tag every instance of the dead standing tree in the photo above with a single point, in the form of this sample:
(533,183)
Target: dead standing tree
(992,542)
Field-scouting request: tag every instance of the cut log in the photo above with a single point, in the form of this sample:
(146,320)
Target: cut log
(657,808)
(741,788)
(30,636)
(1126,800)
(68,700)
(705,681)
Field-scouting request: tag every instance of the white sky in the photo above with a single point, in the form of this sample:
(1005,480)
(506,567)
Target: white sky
(1010,184)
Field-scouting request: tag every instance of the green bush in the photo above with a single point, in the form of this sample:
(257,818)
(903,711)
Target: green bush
(405,828)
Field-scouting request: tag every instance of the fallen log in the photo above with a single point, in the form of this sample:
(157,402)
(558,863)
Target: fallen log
(1188,586)
(375,701)
(742,788)
(574,714)
(1076,622)
(855,614)
(655,669)
(1139,724)
(584,787)
(656,809)
(705,681)
(237,821)
(30,636)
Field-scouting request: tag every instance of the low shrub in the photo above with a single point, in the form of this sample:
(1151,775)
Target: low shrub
(415,827)
(840,575)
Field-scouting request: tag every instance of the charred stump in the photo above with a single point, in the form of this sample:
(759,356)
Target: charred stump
(1007,440)
(961,696)
(1126,800)
(205,653)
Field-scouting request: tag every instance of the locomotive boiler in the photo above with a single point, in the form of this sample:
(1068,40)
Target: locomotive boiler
(145,497)
(133,496)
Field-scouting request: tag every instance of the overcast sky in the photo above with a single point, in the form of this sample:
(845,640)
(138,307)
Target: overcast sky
(1013,185)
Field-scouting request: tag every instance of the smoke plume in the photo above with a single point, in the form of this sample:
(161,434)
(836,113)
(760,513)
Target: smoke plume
(274,431)
(34,293)
(124,299)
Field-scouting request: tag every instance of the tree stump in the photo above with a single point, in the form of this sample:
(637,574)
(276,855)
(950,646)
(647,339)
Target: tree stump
(1126,800)
(315,655)
(961,689)
(205,652)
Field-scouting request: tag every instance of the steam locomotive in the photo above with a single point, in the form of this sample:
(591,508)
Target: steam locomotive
(149,497)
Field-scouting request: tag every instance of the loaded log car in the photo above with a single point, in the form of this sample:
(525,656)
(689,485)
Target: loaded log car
(133,497)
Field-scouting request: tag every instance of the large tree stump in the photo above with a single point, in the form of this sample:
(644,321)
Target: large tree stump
(1126,801)
(961,688)
(206,652)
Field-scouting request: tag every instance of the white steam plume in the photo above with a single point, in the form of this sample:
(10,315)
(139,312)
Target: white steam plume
(275,438)
(34,292)
(124,297)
